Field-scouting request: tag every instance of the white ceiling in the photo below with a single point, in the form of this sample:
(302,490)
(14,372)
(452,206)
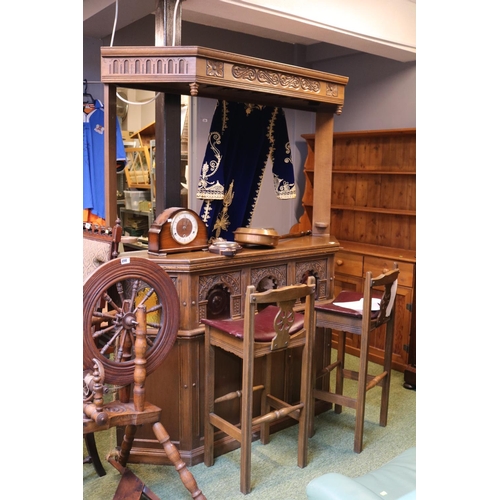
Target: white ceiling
(385,28)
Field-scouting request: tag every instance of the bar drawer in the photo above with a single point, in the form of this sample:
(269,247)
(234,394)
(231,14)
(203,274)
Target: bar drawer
(348,263)
(380,265)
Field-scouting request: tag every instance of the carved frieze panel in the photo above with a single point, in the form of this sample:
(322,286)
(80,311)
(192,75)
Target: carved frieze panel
(265,278)
(148,66)
(316,268)
(215,68)
(219,295)
(275,78)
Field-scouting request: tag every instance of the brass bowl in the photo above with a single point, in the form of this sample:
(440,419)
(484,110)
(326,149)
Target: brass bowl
(256,236)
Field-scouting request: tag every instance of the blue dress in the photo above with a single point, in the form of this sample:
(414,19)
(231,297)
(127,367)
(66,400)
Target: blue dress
(93,159)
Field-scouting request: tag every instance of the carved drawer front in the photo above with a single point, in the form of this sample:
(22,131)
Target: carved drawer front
(379,265)
(349,263)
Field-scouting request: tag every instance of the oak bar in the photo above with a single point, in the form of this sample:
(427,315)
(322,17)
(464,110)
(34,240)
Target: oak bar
(204,282)
(197,71)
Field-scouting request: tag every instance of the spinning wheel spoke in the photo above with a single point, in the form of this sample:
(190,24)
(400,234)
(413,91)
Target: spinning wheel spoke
(135,287)
(119,289)
(103,331)
(148,294)
(106,316)
(110,343)
(110,301)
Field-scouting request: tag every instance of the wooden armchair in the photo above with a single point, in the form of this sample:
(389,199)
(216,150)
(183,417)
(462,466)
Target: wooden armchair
(100,244)
(123,342)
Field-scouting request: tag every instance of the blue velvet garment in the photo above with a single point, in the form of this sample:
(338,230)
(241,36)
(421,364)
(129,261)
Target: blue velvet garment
(242,138)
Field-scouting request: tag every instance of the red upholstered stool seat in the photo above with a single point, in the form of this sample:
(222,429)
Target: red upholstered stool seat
(263,324)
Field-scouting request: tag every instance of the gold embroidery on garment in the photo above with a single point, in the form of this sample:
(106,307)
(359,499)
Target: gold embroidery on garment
(270,134)
(205,216)
(284,190)
(249,107)
(222,222)
(288,151)
(206,189)
(225,113)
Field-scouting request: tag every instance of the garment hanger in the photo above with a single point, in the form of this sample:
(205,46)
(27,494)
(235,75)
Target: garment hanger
(89,105)
(87,94)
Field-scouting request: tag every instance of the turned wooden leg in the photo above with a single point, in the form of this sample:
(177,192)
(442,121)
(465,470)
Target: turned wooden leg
(264,405)
(175,457)
(384,403)
(128,441)
(339,376)
(361,395)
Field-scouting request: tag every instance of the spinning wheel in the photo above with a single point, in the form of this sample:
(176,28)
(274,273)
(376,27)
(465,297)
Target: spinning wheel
(130,321)
(122,285)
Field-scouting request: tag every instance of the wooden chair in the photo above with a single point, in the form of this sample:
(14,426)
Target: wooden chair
(138,168)
(353,312)
(123,343)
(100,245)
(259,334)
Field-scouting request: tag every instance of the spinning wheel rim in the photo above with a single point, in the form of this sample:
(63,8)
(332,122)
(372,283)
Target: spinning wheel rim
(105,277)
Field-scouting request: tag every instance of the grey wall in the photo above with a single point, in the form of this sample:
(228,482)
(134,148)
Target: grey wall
(381,94)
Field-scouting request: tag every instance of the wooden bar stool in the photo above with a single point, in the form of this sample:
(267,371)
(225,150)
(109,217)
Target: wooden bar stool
(259,334)
(351,312)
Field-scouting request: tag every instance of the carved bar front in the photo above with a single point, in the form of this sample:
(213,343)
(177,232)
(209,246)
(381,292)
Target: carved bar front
(211,285)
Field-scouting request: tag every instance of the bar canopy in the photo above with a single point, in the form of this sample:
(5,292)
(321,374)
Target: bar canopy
(199,71)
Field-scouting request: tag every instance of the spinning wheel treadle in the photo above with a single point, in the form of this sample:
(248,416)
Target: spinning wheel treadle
(110,300)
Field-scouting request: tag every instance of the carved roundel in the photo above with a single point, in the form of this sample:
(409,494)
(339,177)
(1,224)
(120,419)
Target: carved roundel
(218,302)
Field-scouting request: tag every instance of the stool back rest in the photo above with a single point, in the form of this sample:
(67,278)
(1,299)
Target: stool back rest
(389,281)
(100,244)
(286,298)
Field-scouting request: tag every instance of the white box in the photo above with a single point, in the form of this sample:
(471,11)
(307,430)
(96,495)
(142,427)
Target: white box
(133,198)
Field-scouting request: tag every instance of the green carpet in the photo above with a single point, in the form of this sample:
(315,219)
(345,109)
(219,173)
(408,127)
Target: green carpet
(275,474)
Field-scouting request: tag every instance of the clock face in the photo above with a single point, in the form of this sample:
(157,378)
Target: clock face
(184,227)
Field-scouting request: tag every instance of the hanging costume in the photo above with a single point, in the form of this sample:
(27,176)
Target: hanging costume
(93,162)
(242,138)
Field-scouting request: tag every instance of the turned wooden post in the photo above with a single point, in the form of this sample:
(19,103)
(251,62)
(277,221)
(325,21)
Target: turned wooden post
(140,359)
